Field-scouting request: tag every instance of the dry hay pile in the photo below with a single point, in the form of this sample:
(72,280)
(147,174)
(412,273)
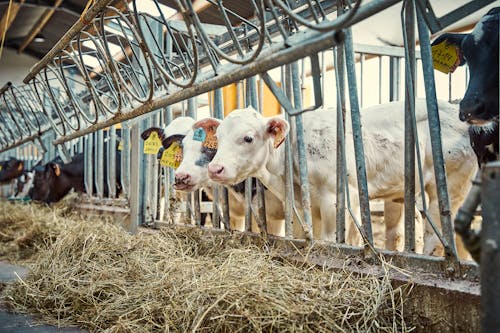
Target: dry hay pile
(24,228)
(98,277)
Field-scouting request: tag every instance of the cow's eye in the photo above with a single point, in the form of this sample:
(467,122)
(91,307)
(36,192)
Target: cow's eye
(248,139)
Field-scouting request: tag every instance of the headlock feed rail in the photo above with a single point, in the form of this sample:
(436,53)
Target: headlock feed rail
(119,71)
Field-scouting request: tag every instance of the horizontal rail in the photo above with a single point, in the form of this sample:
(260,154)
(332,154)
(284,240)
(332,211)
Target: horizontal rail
(98,6)
(294,48)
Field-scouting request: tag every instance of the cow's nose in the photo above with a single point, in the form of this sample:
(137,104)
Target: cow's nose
(182,178)
(464,115)
(215,169)
(470,108)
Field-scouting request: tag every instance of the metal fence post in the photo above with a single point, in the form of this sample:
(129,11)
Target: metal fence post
(490,248)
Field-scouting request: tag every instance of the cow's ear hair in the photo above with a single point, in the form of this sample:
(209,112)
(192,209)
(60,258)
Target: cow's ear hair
(145,135)
(55,168)
(277,128)
(453,39)
(208,124)
(167,142)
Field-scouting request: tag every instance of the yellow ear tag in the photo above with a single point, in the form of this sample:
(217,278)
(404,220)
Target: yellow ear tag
(445,57)
(152,144)
(120,145)
(0,168)
(20,167)
(210,139)
(172,156)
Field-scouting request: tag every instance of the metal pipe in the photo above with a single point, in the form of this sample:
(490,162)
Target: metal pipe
(63,42)
(409,154)
(359,153)
(303,174)
(296,47)
(435,134)
(99,160)
(340,158)
(490,253)
(286,78)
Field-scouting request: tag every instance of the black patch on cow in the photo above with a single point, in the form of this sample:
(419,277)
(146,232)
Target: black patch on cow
(207,155)
(484,143)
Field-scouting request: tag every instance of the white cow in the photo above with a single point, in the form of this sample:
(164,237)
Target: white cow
(249,145)
(192,174)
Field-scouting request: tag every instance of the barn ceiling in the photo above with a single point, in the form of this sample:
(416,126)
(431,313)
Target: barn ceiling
(36,25)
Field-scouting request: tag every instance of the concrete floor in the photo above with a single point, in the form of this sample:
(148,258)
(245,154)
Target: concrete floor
(19,323)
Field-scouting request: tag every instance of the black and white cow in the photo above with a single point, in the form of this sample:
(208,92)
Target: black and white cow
(479,106)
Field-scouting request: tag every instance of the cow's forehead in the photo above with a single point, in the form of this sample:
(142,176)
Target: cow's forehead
(241,121)
(487,23)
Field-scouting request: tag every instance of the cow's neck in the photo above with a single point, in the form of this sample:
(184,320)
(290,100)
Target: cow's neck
(272,175)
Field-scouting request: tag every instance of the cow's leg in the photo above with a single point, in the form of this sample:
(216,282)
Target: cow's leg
(353,236)
(394,225)
(459,184)
(327,223)
(432,245)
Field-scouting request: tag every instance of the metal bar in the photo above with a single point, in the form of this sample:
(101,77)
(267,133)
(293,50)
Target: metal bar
(339,61)
(99,160)
(409,155)
(297,46)
(111,179)
(135,164)
(89,165)
(490,254)
(192,111)
(303,174)
(364,202)
(223,194)
(20,142)
(435,134)
(78,26)
(286,79)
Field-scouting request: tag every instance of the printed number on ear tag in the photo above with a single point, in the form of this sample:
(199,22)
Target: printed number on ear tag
(210,139)
(446,57)
(152,144)
(172,156)
(199,134)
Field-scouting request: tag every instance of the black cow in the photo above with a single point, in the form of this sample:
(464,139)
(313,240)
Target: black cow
(479,107)
(54,180)
(11,169)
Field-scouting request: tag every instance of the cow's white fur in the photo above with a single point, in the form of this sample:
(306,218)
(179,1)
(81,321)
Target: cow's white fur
(199,179)
(383,137)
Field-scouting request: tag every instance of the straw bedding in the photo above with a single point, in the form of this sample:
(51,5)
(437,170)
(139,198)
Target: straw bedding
(96,276)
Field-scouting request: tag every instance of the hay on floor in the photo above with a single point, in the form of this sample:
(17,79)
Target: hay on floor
(96,276)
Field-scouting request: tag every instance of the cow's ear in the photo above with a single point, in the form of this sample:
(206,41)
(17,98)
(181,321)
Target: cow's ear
(145,135)
(455,40)
(208,124)
(56,169)
(167,142)
(277,128)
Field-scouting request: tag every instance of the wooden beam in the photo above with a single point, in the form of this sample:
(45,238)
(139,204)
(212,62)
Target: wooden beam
(8,17)
(39,25)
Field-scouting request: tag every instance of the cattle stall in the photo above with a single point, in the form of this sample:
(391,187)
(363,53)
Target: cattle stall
(286,58)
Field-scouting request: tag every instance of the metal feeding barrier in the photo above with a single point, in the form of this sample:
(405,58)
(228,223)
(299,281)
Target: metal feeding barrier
(142,69)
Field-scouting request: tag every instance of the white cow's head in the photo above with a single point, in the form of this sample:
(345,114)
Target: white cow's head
(245,140)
